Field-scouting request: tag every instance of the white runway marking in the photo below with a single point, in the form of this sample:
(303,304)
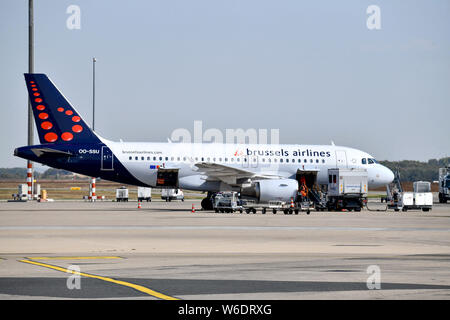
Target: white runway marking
(268,228)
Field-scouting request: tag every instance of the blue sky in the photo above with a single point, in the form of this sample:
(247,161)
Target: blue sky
(311,69)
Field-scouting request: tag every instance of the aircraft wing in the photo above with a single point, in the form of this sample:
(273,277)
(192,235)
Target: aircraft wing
(229,175)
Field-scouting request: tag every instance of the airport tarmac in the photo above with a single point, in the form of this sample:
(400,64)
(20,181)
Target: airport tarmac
(164,251)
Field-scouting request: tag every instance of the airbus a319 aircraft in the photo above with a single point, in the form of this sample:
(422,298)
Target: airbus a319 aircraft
(260,171)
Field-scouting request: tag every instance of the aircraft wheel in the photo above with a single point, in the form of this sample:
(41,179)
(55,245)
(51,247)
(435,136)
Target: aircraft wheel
(207,204)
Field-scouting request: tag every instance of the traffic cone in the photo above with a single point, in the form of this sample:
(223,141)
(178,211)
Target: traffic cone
(193,209)
(292,202)
(139,204)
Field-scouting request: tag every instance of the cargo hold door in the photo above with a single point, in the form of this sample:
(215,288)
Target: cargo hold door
(167,178)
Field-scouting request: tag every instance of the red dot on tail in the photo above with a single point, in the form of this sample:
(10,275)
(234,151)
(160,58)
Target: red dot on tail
(46,125)
(51,137)
(43,115)
(77,128)
(67,136)
(69,112)
(60,109)
(31,81)
(36,94)
(34,89)
(40,107)
(76,119)
(38,100)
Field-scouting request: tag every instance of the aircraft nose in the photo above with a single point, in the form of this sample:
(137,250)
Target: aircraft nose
(387,175)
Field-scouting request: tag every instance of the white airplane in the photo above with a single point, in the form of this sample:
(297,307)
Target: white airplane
(261,171)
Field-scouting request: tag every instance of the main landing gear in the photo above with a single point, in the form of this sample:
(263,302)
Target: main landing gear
(207,203)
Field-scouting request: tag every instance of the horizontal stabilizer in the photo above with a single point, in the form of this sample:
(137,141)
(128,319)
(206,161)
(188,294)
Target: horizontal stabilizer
(39,152)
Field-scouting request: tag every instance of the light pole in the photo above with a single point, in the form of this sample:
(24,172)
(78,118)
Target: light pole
(93,196)
(30,110)
(93,93)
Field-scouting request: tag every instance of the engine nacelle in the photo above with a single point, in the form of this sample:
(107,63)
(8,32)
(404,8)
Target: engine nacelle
(269,190)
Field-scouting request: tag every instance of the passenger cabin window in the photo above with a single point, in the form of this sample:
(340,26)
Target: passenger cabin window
(130,158)
(330,178)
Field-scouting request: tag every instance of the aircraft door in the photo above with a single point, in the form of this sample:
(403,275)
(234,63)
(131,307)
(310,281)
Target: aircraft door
(107,162)
(341,159)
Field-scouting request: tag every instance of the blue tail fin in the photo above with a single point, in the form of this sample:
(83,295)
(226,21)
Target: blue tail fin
(56,120)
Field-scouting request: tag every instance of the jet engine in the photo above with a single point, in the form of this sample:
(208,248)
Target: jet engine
(270,190)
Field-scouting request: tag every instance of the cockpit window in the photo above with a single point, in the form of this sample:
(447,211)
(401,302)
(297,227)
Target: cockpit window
(363,161)
(371,161)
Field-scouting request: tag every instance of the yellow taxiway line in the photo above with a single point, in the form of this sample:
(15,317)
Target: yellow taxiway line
(73,258)
(123,283)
